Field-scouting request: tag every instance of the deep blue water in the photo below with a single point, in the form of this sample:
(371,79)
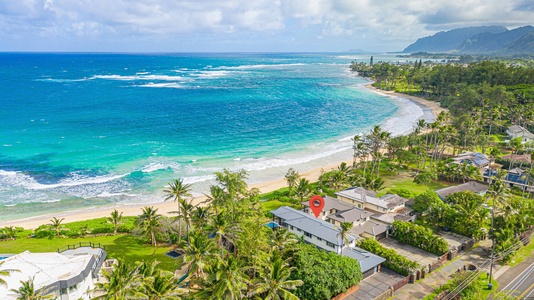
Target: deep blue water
(79,130)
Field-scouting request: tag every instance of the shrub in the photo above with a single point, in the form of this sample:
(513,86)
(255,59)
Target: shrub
(394,261)
(419,236)
(404,193)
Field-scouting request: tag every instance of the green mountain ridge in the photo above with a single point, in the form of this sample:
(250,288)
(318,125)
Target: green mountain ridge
(478,40)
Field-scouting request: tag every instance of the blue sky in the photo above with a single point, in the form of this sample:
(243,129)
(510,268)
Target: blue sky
(242,25)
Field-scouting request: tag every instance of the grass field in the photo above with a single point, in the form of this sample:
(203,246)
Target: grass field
(406,182)
(126,247)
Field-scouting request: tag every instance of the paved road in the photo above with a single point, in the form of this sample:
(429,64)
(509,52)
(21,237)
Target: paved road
(519,281)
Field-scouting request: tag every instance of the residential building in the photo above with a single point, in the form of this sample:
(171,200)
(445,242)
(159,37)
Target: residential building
(472,186)
(367,200)
(315,231)
(516,131)
(336,212)
(67,275)
(476,159)
(325,235)
(518,158)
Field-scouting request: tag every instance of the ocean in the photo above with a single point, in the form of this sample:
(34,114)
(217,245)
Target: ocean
(86,130)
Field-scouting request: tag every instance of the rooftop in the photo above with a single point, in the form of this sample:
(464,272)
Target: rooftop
(471,186)
(472,158)
(366,259)
(370,227)
(48,269)
(518,157)
(345,212)
(310,224)
(361,195)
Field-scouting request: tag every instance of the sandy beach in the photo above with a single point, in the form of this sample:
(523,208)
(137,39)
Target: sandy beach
(167,207)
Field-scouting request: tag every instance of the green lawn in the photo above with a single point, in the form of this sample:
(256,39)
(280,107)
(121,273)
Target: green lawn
(406,182)
(522,253)
(125,247)
(274,204)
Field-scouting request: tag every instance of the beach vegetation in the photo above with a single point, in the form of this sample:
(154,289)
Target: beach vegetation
(177,191)
(115,219)
(292,177)
(56,225)
(150,225)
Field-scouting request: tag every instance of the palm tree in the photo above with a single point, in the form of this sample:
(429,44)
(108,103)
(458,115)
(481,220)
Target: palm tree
(10,232)
(200,217)
(186,209)
(344,234)
(150,223)
(5,273)
(226,280)
(273,283)
(55,224)
(291,177)
(223,229)
(303,189)
(121,282)
(115,218)
(197,253)
(160,286)
(27,291)
(177,191)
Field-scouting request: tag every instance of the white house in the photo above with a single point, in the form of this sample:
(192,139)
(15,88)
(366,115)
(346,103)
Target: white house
(516,131)
(67,275)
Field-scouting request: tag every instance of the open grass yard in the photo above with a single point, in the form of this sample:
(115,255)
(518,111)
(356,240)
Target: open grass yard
(405,181)
(126,247)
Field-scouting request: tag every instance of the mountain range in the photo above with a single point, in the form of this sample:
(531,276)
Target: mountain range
(478,40)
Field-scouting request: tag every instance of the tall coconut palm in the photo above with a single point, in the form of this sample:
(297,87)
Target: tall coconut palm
(177,191)
(292,176)
(27,291)
(198,252)
(55,224)
(344,235)
(150,224)
(120,282)
(161,286)
(187,210)
(273,282)
(115,219)
(200,217)
(227,279)
(303,189)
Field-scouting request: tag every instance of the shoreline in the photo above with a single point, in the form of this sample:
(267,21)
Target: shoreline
(166,208)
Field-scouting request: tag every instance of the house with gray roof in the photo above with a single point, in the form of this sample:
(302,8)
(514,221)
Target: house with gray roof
(516,131)
(315,231)
(369,263)
(371,229)
(337,211)
(325,236)
(471,186)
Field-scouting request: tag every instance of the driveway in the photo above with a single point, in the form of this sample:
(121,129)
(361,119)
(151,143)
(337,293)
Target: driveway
(412,253)
(375,285)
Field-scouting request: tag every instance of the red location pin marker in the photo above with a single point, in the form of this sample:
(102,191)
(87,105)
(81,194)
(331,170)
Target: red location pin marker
(316,205)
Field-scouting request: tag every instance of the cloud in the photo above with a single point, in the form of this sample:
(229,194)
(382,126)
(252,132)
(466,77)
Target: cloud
(363,24)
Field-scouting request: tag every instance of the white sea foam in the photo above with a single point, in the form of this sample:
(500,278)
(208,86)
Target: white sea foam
(173,85)
(140,77)
(110,195)
(260,66)
(22,180)
(50,201)
(155,166)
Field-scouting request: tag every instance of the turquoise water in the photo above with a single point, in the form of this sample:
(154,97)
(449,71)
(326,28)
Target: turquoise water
(81,130)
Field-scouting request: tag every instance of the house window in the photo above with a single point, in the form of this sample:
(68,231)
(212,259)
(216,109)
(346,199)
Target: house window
(319,239)
(359,206)
(307,234)
(299,230)
(292,228)
(383,209)
(330,245)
